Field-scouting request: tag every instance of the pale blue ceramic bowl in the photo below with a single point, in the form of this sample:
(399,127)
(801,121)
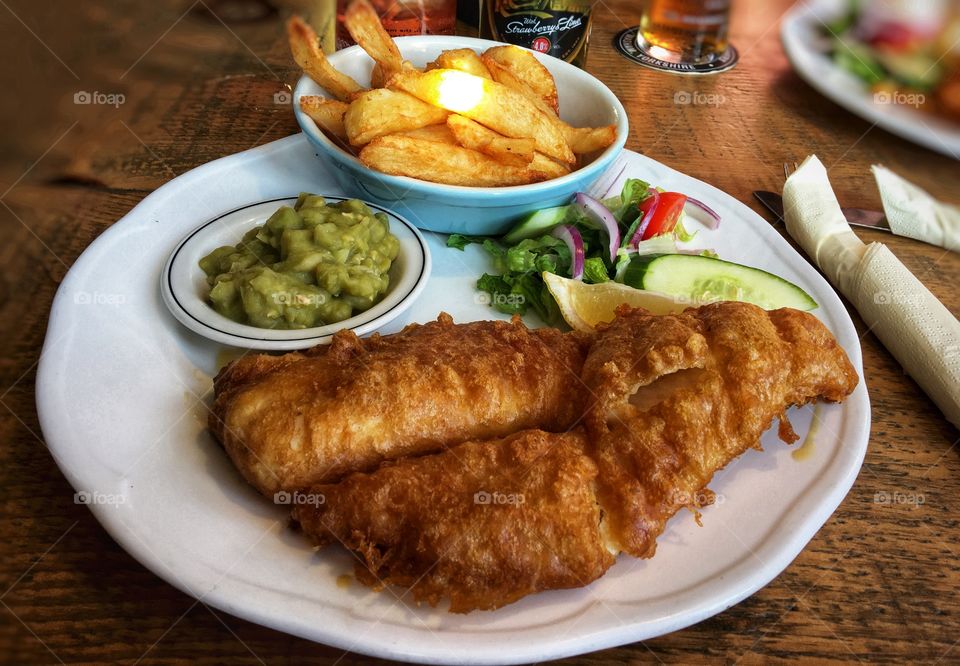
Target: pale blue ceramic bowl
(584,101)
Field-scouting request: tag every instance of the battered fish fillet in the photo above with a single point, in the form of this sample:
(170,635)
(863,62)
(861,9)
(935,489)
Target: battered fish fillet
(674,399)
(677,397)
(484,524)
(291,421)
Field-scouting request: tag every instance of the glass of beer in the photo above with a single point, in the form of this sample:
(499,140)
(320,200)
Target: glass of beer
(685,32)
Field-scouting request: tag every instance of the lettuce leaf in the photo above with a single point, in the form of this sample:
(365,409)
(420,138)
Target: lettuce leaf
(531,255)
(460,241)
(519,287)
(633,192)
(514,294)
(595,271)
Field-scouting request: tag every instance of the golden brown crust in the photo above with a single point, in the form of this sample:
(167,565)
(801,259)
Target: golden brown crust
(292,421)
(677,397)
(483,524)
(672,399)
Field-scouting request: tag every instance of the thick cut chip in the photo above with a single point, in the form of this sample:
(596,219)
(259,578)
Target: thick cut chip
(465,60)
(326,113)
(383,111)
(580,139)
(502,75)
(306,52)
(364,26)
(437,133)
(505,77)
(473,135)
(523,66)
(452,165)
(377,77)
(552,168)
(489,103)
(589,139)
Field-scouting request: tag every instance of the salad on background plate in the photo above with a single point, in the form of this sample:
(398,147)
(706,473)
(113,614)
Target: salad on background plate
(907,52)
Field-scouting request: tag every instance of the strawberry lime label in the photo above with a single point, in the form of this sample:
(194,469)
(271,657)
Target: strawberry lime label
(557,27)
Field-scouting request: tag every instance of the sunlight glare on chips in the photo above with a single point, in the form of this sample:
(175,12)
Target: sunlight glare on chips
(459,91)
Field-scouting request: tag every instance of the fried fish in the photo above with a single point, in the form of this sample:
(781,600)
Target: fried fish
(291,421)
(484,524)
(674,398)
(677,397)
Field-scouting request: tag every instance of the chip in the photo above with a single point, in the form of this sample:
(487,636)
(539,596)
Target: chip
(383,111)
(473,135)
(440,163)
(489,103)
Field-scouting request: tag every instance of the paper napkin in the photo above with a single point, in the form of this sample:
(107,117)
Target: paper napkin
(915,214)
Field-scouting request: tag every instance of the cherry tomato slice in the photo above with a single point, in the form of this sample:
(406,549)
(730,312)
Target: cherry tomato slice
(896,36)
(666,216)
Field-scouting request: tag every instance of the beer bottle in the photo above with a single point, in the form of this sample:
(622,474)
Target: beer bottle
(560,28)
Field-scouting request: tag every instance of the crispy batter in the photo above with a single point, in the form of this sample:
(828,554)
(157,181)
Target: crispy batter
(677,397)
(483,524)
(673,399)
(304,418)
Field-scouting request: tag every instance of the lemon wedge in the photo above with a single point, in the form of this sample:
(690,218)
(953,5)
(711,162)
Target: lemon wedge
(583,305)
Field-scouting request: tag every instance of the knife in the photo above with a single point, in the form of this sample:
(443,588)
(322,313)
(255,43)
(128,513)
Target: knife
(857,217)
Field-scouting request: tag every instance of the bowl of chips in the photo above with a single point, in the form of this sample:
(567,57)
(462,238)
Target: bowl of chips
(459,135)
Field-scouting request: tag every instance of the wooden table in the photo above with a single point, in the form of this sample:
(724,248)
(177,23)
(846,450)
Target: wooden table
(879,582)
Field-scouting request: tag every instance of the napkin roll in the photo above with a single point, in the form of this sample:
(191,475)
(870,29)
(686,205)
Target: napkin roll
(910,321)
(912,324)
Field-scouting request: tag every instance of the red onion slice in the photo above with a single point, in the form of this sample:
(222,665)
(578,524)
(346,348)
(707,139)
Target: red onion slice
(602,218)
(711,220)
(569,235)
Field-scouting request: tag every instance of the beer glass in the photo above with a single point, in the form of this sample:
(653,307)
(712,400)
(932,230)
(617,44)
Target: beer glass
(684,32)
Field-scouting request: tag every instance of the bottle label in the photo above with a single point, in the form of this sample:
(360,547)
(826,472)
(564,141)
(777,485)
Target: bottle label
(556,27)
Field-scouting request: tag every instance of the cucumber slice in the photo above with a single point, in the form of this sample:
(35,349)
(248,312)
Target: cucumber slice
(706,279)
(537,224)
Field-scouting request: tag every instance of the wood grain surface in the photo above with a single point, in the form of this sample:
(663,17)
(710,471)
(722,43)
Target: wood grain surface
(878,583)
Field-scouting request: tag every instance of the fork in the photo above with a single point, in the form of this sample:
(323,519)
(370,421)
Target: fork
(604,185)
(789,169)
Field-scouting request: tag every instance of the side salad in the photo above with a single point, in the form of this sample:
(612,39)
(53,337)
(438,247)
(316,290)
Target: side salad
(590,239)
(636,238)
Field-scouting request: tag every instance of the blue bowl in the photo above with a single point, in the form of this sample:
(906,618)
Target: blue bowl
(584,101)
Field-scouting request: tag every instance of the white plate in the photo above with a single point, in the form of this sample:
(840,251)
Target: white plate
(116,395)
(801,34)
(184,285)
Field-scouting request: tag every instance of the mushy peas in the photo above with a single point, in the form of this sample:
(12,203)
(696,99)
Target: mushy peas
(309,265)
